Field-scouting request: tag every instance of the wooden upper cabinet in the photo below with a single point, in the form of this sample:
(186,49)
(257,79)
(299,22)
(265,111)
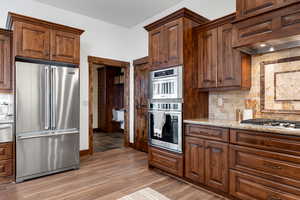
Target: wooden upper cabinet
(169,35)
(5,61)
(219,65)
(65,47)
(229,63)
(165,45)
(248,8)
(32,41)
(156,47)
(38,39)
(278,29)
(216,165)
(194,159)
(207,44)
(173,41)
(253,7)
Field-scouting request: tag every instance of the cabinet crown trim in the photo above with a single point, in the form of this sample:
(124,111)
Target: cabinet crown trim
(184,12)
(5,31)
(217,22)
(13,17)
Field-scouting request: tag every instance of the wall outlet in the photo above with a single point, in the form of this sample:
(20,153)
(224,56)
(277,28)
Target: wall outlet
(220,101)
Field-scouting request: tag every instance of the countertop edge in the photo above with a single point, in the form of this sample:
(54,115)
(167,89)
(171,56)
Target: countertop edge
(236,125)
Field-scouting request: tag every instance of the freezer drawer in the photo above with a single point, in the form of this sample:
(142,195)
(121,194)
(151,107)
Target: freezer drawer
(46,153)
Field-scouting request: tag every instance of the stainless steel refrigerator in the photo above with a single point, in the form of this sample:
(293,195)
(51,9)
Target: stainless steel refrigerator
(47,119)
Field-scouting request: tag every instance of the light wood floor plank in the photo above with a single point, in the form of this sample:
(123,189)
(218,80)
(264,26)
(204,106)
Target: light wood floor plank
(105,176)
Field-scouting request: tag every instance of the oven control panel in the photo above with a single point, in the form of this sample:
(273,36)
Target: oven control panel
(166,106)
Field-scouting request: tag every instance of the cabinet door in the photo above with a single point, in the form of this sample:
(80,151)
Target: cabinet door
(254,7)
(207,58)
(216,165)
(65,47)
(5,64)
(194,159)
(229,59)
(31,41)
(156,47)
(173,41)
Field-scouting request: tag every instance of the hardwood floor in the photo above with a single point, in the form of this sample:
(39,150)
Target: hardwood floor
(107,141)
(104,176)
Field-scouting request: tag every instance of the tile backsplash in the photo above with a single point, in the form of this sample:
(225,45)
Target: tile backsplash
(223,105)
(6,104)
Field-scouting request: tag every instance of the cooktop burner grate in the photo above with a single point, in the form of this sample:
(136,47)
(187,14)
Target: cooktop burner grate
(272,122)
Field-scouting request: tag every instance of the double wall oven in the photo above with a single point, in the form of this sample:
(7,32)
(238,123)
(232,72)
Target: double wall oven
(165,109)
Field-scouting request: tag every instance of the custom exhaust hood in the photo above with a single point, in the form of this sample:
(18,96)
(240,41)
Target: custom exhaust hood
(272,31)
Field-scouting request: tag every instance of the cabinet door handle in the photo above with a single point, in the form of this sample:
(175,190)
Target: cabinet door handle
(272,166)
(274,198)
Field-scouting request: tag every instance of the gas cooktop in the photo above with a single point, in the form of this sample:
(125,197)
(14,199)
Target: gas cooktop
(275,123)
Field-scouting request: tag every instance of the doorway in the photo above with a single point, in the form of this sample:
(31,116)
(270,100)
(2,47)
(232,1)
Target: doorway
(108,104)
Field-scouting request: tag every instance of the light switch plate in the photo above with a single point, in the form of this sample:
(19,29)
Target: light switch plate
(220,101)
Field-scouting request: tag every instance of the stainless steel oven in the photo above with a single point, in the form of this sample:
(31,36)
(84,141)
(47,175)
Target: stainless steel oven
(165,125)
(166,84)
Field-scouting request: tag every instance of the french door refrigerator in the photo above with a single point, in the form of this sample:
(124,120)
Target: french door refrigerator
(47,119)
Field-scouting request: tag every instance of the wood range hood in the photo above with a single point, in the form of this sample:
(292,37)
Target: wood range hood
(270,31)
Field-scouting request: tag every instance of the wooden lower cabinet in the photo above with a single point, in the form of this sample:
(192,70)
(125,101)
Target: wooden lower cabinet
(245,165)
(6,168)
(216,165)
(206,162)
(249,187)
(6,162)
(166,160)
(194,159)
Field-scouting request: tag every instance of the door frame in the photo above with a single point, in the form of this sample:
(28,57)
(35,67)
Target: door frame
(136,63)
(113,63)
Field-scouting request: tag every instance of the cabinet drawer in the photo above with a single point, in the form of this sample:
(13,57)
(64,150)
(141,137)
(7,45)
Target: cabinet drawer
(247,187)
(267,141)
(167,161)
(5,151)
(207,132)
(276,166)
(5,168)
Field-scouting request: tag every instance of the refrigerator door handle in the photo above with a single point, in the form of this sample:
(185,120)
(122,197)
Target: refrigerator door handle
(47,135)
(47,96)
(53,97)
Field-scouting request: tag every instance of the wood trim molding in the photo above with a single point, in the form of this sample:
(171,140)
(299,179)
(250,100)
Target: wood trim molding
(5,31)
(141,61)
(107,62)
(184,12)
(217,22)
(84,152)
(262,86)
(12,17)
(113,63)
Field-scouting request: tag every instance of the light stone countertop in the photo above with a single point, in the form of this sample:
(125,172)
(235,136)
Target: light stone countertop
(7,120)
(236,125)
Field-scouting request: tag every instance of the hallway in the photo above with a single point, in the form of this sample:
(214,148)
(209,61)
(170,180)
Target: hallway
(108,141)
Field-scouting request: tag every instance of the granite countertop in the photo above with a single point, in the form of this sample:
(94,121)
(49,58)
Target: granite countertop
(237,125)
(7,120)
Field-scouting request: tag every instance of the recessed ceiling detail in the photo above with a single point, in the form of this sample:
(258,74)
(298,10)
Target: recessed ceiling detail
(125,13)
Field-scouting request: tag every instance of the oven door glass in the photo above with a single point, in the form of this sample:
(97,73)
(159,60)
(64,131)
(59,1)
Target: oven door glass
(171,136)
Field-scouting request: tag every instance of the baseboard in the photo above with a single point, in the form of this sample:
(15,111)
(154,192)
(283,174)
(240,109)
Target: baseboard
(97,130)
(84,152)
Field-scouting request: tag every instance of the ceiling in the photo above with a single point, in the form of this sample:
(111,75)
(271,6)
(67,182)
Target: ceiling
(127,13)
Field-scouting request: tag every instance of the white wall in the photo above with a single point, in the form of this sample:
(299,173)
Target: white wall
(210,9)
(100,39)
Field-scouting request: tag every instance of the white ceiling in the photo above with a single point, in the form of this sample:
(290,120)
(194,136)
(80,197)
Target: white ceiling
(125,13)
